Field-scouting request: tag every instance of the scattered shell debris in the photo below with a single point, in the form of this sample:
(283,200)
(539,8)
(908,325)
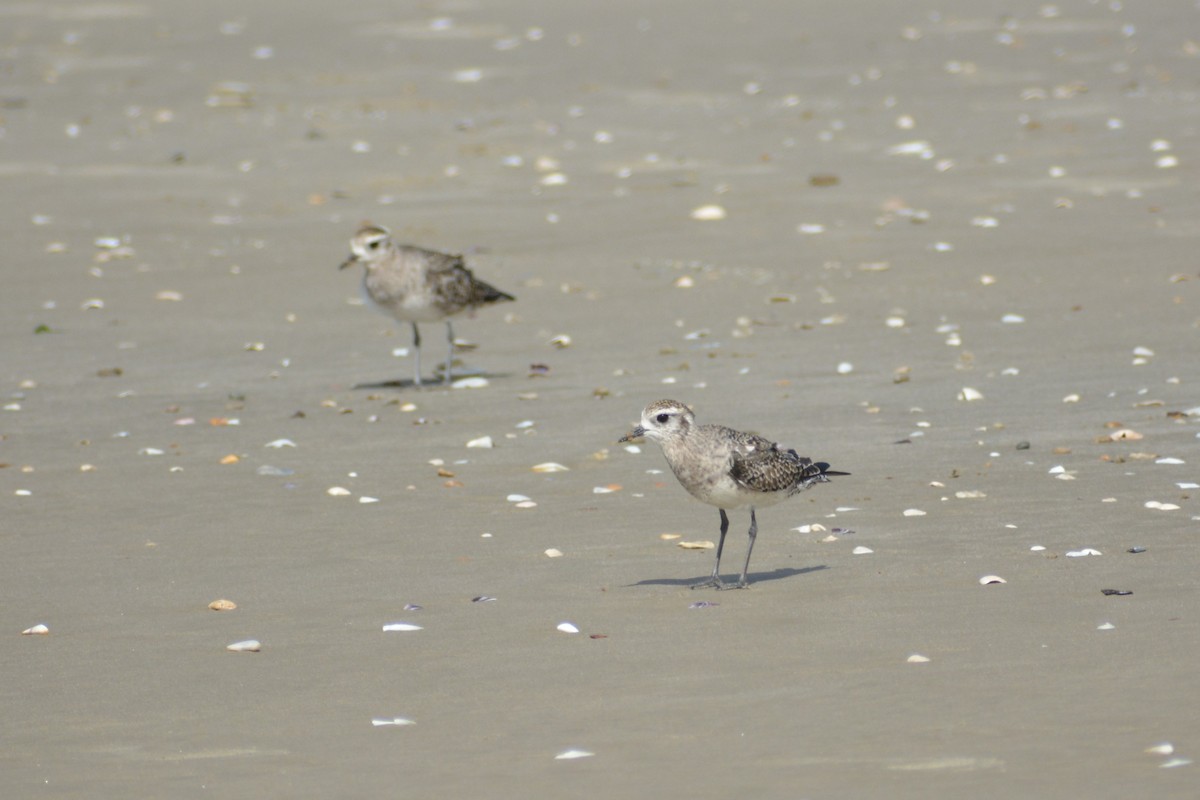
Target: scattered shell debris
(484,442)
(245,646)
(917,658)
(401,627)
(1087,551)
(553,552)
(709,213)
(967,394)
(337,491)
(222,605)
(698,545)
(862,551)
(914,512)
(469,383)
(1158,506)
(36,630)
(379,722)
(990,579)
(567,627)
(568,755)
(550,466)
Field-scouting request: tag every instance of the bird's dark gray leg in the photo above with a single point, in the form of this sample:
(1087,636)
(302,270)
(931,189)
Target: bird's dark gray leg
(450,352)
(417,354)
(742,584)
(715,579)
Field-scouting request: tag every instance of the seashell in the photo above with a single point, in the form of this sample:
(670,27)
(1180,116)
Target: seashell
(1169,461)
(685,282)
(168,294)
(554,552)
(916,658)
(229,459)
(36,630)
(94,302)
(810,228)
(1071,398)
(989,579)
(337,491)
(1106,626)
(246,646)
(482,441)
(469,383)
(516,498)
(816,527)
(401,627)
(862,551)
(562,341)
(550,466)
(567,627)
(280,443)
(567,755)
(483,598)
(1037,548)
(1164,749)
(703,604)
(919,147)
(150,451)
(709,213)
(553,179)
(1161,506)
(381,721)
(1012,319)
(702,545)
(526,504)
(914,512)
(1125,435)
(845,368)
(365,500)
(970,395)
(1087,551)
(609,489)
(970,494)
(670,537)
(222,605)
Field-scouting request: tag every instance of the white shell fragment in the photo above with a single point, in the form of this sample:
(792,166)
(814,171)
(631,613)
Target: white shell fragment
(914,512)
(701,545)
(365,500)
(246,646)
(400,627)
(1164,749)
(1087,551)
(1106,626)
(554,552)
(381,721)
(1161,506)
(989,579)
(337,491)
(469,383)
(917,658)
(567,755)
(567,627)
(516,498)
(862,551)
(36,630)
(550,466)
(483,441)
(970,395)
(709,213)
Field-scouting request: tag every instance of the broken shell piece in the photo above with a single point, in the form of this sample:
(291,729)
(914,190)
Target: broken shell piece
(554,552)
(516,498)
(567,627)
(862,551)
(1161,506)
(702,545)
(482,441)
(562,341)
(246,646)
(222,605)
(914,512)
(337,491)
(280,443)
(709,213)
(36,630)
(401,627)
(916,658)
(550,466)
(365,500)
(1087,551)
(380,721)
(969,395)
(1164,749)
(1106,626)
(816,527)
(567,755)
(988,579)
(469,383)
(525,504)
(608,489)
(670,537)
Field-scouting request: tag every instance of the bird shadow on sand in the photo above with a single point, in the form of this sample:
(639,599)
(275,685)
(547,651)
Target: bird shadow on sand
(752,578)
(426,383)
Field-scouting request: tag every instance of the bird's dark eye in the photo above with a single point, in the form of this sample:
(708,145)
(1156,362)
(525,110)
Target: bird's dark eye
(662,418)
(373,244)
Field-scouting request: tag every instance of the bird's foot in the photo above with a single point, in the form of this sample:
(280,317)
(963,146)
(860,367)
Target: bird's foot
(739,585)
(714,582)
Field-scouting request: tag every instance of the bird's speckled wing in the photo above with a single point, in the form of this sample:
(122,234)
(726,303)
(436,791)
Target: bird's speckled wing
(454,285)
(760,465)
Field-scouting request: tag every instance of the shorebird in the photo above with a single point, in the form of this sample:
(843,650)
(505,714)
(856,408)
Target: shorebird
(414,285)
(727,469)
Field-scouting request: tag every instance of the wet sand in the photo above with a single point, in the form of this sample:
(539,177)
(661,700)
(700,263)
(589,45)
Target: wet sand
(895,182)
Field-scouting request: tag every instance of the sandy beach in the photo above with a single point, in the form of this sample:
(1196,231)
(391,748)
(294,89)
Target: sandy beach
(950,251)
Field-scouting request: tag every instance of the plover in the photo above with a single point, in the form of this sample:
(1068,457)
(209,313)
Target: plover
(415,285)
(727,469)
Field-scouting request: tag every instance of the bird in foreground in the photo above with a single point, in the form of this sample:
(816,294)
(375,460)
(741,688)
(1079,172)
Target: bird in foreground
(727,469)
(414,285)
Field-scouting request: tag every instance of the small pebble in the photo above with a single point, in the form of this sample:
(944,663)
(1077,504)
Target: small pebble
(1115,592)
